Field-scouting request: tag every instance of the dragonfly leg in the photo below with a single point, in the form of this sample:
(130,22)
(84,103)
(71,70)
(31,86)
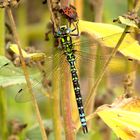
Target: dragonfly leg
(75,28)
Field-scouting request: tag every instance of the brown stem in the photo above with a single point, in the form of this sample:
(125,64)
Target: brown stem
(137,5)
(98,6)
(52,14)
(27,78)
(66,93)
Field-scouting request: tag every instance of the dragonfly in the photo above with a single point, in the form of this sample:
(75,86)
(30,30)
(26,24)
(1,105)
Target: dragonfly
(65,35)
(68,55)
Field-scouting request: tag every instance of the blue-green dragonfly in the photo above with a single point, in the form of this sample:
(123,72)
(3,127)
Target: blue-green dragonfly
(66,56)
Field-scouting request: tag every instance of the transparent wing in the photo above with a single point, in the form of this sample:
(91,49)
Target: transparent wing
(86,57)
(42,87)
(110,41)
(118,63)
(92,51)
(11,75)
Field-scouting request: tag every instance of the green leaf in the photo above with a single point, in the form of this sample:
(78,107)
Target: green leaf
(34,133)
(11,75)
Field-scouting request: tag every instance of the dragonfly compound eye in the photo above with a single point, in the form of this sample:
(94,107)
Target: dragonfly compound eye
(68,31)
(58,33)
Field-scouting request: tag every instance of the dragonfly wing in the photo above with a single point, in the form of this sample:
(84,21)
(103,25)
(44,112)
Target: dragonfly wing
(11,75)
(93,50)
(91,61)
(42,87)
(109,41)
(23,94)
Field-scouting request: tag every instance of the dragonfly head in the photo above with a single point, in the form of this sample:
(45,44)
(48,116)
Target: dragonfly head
(63,30)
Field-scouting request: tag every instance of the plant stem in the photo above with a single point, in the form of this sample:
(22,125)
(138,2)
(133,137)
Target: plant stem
(66,106)
(55,89)
(98,9)
(137,5)
(54,19)
(79,8)
(22,24)
(56,102)
(3,115)
(2,31)
(27,78)
(92,94)
(66,91)
(3,99)
(130,4)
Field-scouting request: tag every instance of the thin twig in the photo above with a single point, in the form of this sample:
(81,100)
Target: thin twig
(27,78)
(92,94)
(52,15)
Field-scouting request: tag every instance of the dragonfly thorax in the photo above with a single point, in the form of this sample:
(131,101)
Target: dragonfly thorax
(66,43)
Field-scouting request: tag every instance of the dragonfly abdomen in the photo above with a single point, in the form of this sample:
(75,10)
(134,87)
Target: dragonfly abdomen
(68,48)
(76,85)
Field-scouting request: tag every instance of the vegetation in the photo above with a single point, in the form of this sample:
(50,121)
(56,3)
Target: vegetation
(37,99)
